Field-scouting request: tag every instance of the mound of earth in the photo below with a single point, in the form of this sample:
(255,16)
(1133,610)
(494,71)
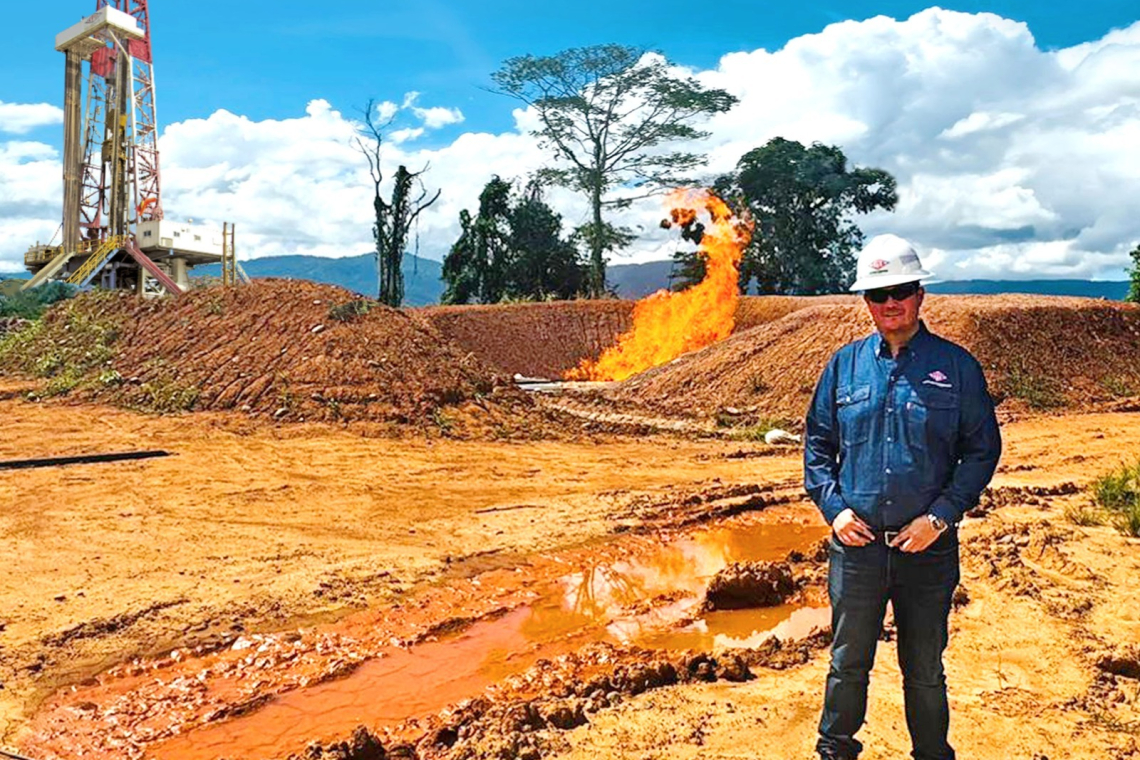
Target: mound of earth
(533,339)
(290,350)
(548,339)
(1038,352)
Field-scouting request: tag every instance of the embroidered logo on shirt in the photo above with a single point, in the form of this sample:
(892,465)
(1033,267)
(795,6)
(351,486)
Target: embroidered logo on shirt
(938,379)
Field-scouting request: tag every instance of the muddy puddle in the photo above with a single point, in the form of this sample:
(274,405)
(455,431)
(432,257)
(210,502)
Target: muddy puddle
(268,696)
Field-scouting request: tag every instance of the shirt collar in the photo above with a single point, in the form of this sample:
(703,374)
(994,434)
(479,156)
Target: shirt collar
(915,346)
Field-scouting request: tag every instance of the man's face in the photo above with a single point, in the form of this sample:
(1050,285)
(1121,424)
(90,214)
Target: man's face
(899,312)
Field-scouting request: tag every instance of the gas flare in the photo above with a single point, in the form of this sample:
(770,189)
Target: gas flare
(666,324)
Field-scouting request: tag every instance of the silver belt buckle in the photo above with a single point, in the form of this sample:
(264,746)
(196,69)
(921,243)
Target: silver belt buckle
(890,535)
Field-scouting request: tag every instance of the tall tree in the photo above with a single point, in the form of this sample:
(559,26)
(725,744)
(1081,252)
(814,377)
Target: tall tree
(513,248)
(393,218)
(801,200)
(544,264)
(607,112)
(477,266)
(1134,275)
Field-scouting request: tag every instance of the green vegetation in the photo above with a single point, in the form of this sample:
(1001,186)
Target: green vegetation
(1118,387)
(166,393)
(512,250)
(71,351)
(608,114)
(801,200)
(347,312)
(1117,493)
(1039,392)
(1086,515)
(31,304)
(394,217)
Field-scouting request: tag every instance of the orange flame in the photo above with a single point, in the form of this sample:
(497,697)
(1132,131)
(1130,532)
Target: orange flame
(666,324)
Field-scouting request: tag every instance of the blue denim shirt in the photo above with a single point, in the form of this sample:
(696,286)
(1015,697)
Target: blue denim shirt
(893,439)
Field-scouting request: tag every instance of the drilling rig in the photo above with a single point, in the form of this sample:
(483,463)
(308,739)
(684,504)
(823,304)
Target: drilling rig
(114,232)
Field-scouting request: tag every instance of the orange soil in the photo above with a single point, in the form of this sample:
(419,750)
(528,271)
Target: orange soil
(257,529)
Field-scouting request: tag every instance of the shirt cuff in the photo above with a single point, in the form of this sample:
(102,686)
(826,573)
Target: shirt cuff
(832,507)
(941,507)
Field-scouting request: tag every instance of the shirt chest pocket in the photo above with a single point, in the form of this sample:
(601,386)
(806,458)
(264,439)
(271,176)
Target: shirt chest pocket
(853,409)
(932,417)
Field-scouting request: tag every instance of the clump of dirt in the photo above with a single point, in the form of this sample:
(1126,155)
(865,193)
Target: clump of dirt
(746,585)
(1124,662)
(283,350)
(1038,353)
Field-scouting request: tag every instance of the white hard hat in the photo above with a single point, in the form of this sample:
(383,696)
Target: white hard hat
(886,261)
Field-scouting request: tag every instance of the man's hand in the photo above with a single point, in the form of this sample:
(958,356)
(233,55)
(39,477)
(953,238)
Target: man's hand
(916,536)
(850,530)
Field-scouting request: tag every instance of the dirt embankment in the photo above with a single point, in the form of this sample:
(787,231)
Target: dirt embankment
(1038,352)
(548,339)
(533,339)
(283,350)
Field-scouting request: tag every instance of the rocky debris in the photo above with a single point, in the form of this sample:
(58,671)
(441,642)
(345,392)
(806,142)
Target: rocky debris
(744,585)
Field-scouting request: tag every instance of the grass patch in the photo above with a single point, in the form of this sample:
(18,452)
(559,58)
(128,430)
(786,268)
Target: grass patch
(69,349)
(165,393)
(1118,493)
(347,312)
(1085,515)
(1038,392)
(1118,387)
(757,429)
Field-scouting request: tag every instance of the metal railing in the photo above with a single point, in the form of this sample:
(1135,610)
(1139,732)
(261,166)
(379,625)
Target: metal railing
(96,260)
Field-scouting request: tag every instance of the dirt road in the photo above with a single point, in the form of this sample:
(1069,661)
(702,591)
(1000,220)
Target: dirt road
(254,529)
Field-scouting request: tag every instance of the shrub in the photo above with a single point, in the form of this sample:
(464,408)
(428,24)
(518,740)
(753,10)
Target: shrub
(1118,493)
(31,304)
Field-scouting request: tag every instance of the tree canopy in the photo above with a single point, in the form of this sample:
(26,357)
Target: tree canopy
(801,200)
(511,249)
(607,112)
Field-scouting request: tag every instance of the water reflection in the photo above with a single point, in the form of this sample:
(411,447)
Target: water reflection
(649,597)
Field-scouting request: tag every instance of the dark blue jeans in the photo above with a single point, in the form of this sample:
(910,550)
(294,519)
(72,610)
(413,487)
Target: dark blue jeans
(919,587)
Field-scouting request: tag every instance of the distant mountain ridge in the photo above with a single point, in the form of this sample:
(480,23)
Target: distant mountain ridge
(423,286)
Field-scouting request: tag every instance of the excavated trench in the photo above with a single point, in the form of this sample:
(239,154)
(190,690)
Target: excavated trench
(270,695)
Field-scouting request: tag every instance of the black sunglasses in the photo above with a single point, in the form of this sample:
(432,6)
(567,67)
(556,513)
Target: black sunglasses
(897,293)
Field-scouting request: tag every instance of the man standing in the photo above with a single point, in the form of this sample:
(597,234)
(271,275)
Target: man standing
(901,440)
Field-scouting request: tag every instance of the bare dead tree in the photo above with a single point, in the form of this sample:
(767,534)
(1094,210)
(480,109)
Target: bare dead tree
(395,217)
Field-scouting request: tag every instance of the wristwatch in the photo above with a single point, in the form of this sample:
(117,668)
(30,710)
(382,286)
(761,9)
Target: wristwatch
(936,522)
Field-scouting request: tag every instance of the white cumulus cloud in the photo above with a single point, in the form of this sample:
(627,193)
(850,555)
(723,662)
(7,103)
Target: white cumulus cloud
(21,118)
(1012,160)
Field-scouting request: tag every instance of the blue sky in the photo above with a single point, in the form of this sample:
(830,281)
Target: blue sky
(1013,128)
(268,59)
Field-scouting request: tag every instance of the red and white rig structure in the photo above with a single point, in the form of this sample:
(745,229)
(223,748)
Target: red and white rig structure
(114,233)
